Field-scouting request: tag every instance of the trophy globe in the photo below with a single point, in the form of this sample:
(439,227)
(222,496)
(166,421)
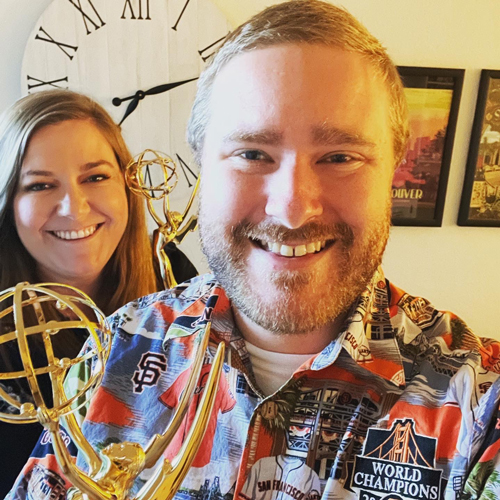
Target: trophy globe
(28,335)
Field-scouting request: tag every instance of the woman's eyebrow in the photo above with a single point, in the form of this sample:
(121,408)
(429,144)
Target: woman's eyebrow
(93,164)
(84,168)
(45,173)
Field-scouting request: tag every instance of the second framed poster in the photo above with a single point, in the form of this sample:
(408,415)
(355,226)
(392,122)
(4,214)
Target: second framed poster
(419,184)
(480,204)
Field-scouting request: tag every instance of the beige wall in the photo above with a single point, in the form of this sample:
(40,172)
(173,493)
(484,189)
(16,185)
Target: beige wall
(456,268)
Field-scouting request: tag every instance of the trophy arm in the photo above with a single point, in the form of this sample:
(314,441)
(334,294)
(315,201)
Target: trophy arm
(153,213)
(172,223)
(166,271)
(92,458)
(157,445)
(191,198)
(190,225)
(168,478)
(77,477)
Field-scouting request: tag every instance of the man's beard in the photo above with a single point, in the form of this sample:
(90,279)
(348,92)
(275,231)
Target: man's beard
(308,299)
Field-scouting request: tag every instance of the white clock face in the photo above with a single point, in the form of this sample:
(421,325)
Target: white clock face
(113,48)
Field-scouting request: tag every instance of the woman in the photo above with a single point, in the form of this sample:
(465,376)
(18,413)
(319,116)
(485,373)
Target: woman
(33,123)
(66,216)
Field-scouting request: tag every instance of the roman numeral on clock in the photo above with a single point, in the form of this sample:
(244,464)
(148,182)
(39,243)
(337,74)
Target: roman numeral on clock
(42,83)
(61,45)
(91,15)
(174,27)
(148,181)
(184,166)
(128,3)
(208,47)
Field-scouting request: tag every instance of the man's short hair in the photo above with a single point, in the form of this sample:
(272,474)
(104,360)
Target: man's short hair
(301,21)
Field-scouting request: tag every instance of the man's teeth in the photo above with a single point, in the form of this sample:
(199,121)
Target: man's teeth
(76,235)
(295,251)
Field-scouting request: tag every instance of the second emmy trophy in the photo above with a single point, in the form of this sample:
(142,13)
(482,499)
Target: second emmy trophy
(138,175)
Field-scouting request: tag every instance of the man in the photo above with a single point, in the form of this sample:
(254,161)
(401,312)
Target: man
(337,384)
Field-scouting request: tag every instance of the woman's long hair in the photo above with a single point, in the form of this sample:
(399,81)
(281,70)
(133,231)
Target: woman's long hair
(129,273)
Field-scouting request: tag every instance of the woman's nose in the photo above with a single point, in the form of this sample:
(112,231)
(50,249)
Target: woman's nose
(73,204)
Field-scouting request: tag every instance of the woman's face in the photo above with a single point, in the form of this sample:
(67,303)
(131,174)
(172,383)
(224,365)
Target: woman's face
(70,208)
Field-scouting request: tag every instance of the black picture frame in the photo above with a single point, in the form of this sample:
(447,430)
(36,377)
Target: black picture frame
(480,203)
(420,182)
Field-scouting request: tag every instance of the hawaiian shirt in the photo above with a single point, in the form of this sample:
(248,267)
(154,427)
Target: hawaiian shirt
(399,406)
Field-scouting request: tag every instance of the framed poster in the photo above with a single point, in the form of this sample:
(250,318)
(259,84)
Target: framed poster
(419,183)
(480,205)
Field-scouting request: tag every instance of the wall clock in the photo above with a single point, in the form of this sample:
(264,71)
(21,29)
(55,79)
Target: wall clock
(112,49)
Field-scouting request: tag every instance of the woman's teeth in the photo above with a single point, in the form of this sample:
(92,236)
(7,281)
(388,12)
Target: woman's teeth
(295,251)
(76,235)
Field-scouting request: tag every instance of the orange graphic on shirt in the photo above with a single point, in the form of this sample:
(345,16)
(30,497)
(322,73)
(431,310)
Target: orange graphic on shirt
(106,409)
(224,402)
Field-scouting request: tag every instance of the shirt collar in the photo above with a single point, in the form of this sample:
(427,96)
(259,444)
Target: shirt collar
(367,336)
(206,302)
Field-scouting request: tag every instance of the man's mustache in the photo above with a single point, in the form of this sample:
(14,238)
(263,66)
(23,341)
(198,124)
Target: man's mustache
(312,231)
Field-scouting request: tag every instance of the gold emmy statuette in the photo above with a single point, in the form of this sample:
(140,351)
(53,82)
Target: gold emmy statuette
(137,176)
(113,470)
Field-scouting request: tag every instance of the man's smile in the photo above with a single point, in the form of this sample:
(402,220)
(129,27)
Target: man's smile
(297,250)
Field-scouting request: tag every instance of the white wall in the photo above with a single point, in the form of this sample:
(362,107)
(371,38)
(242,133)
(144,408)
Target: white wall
(457,268)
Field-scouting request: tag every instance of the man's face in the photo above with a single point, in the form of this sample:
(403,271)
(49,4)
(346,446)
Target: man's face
(296,174)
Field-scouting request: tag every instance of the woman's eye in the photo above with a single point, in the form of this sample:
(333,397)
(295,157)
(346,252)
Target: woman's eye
(97,178)
(37,186)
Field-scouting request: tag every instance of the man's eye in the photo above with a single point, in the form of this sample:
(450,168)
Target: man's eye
(253,155)
(340,158)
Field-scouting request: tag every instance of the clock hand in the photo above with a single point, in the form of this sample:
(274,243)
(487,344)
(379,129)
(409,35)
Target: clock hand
(167,86)
(141,94)
(131,107)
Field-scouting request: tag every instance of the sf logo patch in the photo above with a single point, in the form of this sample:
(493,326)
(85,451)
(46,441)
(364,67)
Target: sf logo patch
(150,367)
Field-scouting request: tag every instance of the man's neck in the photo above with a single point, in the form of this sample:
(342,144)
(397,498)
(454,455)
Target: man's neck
(311,342)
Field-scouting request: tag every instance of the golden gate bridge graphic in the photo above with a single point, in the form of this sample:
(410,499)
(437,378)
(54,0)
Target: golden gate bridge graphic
(401,446)
(397,461)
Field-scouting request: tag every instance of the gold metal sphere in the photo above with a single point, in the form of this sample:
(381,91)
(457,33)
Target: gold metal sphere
(23,312)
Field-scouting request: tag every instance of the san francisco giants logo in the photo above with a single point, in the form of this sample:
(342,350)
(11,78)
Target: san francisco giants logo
(150,367)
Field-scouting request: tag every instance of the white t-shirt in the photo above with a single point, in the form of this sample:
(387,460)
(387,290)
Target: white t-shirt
(273,369)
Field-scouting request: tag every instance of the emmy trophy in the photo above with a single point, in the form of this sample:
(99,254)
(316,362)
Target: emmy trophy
(113,470)
(137,176)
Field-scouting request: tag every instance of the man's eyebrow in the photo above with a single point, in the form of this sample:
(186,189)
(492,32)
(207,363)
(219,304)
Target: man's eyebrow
(326,135)
(268,137)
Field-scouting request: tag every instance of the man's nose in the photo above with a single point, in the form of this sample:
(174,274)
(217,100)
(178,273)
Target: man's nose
(294,193)
(73,203)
